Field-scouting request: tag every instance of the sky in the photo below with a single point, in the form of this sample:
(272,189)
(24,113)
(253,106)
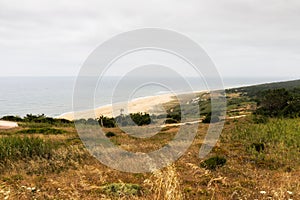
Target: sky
(243,37)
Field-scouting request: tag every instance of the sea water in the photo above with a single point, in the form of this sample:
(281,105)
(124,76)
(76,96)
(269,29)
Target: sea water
(52,96)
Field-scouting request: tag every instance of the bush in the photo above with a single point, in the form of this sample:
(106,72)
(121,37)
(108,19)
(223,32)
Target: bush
(210,119)
(175,116)
(110,134)
(171,121)
(12,118)
(259,147)
(278,103)
(293,109)
(141,119)
(107,122)
(213,163)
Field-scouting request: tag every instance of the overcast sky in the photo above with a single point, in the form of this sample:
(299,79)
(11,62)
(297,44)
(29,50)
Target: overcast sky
(243,37)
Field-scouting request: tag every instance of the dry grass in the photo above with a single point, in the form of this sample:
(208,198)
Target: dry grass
(164,184)
(72,173)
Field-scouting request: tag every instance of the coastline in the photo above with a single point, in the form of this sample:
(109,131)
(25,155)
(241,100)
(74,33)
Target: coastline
(147,104)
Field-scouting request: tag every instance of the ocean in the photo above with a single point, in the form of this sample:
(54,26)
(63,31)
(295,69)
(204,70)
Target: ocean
(52,96)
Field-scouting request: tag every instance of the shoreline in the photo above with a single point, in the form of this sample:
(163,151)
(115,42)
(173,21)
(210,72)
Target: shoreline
(141,104)
(149,104)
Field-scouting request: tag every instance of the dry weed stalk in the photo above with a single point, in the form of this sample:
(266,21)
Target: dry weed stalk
(165,184)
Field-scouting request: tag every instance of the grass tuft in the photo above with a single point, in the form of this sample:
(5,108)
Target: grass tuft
(213,163)
(122,189)
(15,148)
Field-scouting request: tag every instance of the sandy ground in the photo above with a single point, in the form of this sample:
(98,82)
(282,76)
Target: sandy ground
(151,105)
(7,124)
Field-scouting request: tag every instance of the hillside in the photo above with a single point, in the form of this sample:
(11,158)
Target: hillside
(252,90)
(44,158)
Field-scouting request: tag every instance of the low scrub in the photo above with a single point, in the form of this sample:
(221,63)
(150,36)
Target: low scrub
(139,119)
(213,163)
(110,134)
(30,118)
(45,131)
(171,121)
(259,147)
(209,118)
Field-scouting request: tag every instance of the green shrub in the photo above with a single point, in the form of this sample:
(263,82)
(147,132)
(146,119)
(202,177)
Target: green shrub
(279,103)
(45,131)
(213,163)
(30,118)
(140,119)
(210,119)
(175,116)
(259,147)
(110,134)
(12,118)
(107,122)
(171,121)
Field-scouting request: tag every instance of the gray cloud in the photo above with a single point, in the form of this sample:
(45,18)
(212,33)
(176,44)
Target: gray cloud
(242,37)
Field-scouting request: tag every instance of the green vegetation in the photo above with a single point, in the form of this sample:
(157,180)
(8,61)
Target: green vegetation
(14,148)
(252,91)
(29,118)
(12,118)
(175,116)
(110,134)
(45,131)
(140,119)
(89,121)
(260,119)
(107,122)
(273,100)
(210,119)
(274,144)
(259,147)
(278,103)
(171,121)
(213,163)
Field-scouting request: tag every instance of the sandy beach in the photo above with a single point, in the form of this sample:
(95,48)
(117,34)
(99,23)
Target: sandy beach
(151,104)
(7,124)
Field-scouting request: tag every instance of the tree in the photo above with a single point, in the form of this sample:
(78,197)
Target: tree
(273,102)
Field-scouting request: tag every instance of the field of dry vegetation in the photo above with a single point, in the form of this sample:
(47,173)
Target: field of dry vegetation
(250,161)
